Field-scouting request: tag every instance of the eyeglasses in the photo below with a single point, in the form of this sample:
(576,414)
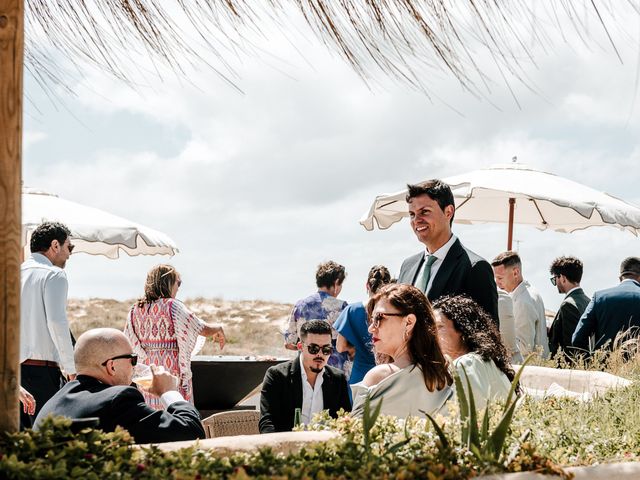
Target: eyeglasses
(313,348)
(554,280)
(132,356)
(378,317)
(71,247)
(179,283)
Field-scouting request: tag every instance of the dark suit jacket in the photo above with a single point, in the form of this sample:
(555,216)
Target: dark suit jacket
(282,394)
(123,405)
(609,312)
(461,272)
(566,320)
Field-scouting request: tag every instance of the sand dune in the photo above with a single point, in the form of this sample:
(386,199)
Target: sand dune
(252,327)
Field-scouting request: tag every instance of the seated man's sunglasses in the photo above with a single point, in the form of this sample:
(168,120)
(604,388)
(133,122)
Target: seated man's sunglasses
(313,348)
(131,356)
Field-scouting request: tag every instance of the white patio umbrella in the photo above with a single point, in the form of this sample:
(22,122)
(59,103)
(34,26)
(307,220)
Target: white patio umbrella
(515,193)
(93,231)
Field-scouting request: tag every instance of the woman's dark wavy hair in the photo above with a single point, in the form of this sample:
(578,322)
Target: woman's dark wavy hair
(160,279)
(477,329)
(423,345)
(378,276)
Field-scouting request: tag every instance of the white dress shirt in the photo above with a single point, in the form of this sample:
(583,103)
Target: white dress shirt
(44,329)
(171,397)
(531,324)
(435,266)
(508,326)
(312,399)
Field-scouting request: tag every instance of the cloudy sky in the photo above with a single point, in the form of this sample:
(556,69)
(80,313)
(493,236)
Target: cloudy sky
(259,185)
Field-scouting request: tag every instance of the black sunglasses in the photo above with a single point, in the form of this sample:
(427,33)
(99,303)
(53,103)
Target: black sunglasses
(554,280)
(132,356)
(313,349)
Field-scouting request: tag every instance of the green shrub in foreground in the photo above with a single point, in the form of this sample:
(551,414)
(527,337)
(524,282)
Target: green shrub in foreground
(393,449)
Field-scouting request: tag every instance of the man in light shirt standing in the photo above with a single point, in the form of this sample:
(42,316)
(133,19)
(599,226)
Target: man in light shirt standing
(528,307)
(306,383)
(45,339)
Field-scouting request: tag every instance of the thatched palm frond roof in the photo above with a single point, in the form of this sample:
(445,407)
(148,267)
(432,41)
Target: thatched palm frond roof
(395,37)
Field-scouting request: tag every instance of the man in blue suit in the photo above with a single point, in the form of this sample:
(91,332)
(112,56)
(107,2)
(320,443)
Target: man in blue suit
(612,311)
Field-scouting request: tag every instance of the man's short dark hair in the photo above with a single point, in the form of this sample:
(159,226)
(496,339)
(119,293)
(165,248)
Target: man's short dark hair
(328,273)
(318,327)
(47,232)
(570,267)
(507,259)
(630,268)
(436,189)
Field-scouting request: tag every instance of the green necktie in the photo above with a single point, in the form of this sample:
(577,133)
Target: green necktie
(426,273)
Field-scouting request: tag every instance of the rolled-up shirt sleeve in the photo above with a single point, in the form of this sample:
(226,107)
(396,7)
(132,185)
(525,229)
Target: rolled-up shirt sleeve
(55,304)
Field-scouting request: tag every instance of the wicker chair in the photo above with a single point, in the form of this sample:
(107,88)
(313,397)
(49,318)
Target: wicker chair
(233,422)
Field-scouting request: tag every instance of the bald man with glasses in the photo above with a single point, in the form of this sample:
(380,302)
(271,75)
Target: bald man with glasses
(105,364)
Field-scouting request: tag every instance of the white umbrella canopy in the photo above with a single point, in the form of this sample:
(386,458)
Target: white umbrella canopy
(93,231)
(540,199)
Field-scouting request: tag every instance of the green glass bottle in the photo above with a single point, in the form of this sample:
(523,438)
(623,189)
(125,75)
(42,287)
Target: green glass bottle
(296,417)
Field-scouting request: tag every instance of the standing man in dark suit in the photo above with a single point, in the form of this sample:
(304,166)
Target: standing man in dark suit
(104,359)
(566,274)
(446,267)
(306,383)
(612,311)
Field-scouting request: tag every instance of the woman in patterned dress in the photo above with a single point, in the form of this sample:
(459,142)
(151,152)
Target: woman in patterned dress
(164,332)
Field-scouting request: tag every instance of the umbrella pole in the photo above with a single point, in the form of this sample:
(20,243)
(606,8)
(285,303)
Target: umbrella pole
(512,204)
(11,56)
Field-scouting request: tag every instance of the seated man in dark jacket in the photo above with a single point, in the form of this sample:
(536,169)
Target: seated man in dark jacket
(306,383)
(104,361)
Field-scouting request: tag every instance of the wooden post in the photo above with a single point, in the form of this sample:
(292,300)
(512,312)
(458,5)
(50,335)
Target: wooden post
(11,60)
(512,204)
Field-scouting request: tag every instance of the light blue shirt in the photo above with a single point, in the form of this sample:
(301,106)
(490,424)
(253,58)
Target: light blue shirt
(44,328)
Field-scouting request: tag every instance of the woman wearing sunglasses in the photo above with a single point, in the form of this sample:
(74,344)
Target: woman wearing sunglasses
(164,332)
(417,380)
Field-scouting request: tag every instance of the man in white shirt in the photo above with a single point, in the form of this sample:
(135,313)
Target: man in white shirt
(103,390)
(528,307)
(45,339)
(305,383)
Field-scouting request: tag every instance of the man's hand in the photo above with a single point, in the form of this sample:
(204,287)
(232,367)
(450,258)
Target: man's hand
(162,382)
(71,376)
(290,346)
(28,402)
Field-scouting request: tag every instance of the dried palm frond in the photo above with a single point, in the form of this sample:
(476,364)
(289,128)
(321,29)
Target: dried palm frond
(400,38)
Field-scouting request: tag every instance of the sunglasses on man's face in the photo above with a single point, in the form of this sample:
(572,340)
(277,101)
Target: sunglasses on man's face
(554,280)
(132,356)
(313,349)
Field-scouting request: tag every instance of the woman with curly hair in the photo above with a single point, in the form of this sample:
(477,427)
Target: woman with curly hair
(417,379)
(164,332)
(469,336)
